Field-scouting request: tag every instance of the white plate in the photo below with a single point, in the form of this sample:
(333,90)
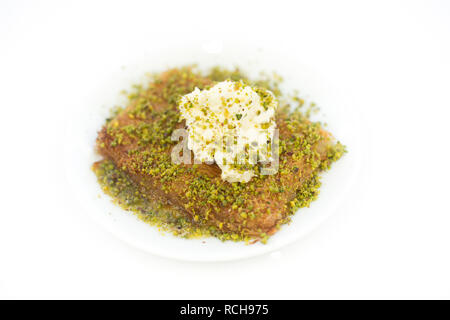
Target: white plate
(84,121)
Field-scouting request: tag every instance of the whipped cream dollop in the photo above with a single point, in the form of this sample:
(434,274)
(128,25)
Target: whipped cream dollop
(231,124)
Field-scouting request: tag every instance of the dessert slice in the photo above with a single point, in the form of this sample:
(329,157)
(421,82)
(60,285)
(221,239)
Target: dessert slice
(192,199)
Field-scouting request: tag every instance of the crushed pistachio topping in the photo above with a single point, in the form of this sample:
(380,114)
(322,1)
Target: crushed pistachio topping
(231,124)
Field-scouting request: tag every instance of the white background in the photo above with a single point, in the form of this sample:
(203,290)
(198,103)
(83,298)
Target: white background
(389,239)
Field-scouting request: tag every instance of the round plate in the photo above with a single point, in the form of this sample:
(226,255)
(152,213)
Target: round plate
(85,121)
